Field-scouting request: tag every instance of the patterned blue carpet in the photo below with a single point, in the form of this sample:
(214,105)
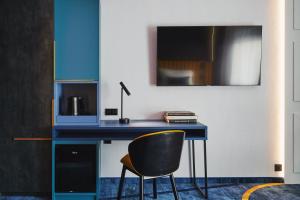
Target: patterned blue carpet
(284,192)
(187,192)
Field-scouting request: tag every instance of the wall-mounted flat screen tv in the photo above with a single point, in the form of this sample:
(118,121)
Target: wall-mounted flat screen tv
(209,55)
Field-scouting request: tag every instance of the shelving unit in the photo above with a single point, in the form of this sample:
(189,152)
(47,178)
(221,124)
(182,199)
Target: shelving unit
(88,90)
(76,74)
(76,63)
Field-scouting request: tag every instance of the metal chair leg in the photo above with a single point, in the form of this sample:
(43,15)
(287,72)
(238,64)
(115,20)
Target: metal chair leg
(141,188)
(174,187)
(121,182)
(154,189)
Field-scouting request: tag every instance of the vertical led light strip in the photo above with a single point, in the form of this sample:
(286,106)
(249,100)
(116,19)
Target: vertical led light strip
(281,77)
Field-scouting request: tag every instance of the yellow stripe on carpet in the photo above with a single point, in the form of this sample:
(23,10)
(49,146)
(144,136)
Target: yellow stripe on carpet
(247,194)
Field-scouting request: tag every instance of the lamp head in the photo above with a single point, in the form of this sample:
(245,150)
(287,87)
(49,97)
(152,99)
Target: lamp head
(124,88)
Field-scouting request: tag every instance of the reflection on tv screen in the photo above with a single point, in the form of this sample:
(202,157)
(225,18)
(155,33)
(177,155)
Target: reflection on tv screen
(209,55)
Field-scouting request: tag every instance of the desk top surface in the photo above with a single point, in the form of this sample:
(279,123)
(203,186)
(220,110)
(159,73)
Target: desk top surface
(114,124)
(113,130)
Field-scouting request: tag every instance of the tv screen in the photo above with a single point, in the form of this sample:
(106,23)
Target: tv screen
(209,55)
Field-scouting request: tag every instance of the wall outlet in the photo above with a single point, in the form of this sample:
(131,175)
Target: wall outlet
(278,167)
(111,111)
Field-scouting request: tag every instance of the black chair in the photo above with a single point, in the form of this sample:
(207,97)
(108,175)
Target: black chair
(153,155)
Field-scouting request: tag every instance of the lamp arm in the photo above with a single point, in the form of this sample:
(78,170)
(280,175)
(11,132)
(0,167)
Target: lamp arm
(121,103)
(123,120)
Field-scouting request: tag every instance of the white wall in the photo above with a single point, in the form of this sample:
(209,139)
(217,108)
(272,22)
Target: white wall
(243,122)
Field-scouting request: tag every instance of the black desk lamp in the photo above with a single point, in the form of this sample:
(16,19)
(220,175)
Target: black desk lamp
(123,120)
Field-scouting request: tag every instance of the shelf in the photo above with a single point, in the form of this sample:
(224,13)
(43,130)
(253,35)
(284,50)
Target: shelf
(75,193)
(64,91)
(75,196)
(76,80)
(76,119)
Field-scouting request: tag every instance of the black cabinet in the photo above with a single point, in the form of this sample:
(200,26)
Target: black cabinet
(26,88)
(75,168)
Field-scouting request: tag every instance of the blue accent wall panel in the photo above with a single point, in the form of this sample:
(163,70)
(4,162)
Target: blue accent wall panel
(77,39)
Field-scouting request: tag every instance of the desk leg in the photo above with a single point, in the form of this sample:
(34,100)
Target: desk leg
(194,165)
(205,169)
(205,193)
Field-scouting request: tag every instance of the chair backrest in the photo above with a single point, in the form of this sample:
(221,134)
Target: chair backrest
(157,154)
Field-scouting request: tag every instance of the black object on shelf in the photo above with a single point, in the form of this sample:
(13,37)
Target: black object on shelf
(76,105)
(123,88)
(77,99)
(75,168)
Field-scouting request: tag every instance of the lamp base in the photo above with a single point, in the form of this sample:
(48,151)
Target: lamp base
(124,120)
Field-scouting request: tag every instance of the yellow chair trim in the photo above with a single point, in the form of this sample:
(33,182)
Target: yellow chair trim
(126,161)
(158,133)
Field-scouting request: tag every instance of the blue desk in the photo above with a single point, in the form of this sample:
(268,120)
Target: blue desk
(112,130)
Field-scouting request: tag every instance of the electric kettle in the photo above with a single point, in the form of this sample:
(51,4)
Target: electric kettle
(75,105)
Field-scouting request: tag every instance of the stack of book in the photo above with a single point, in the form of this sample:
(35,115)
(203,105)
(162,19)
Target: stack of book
(180,117)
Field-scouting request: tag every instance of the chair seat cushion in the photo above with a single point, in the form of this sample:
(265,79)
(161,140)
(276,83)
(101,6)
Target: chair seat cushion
(127,162)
